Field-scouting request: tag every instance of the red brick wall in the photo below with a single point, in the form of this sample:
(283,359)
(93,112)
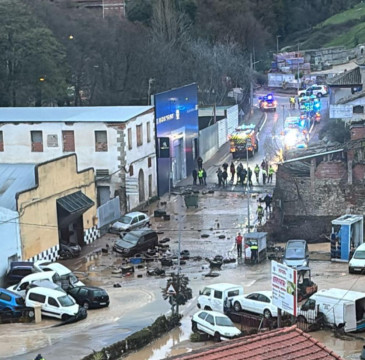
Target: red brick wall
(357,133)
(358,172)
(330,170)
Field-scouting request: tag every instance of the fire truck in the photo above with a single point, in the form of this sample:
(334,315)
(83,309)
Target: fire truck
(243,141)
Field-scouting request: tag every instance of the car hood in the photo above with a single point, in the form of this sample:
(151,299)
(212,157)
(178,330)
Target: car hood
(353,262)
(120,226)
(124,244)
(295,262)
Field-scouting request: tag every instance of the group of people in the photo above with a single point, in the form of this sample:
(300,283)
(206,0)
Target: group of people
(251,250)
(243,175)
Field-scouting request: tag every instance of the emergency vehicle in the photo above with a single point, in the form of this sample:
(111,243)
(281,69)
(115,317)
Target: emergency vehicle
(267,102)
(239,144)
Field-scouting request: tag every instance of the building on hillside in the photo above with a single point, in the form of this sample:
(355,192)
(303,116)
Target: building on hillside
(47,203)
(280,344)
(177,135)
(117,141)
(105,7)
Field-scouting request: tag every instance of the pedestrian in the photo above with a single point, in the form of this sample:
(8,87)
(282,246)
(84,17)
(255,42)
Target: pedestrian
(224,177)
(239,245)
(200,163)
(204,177)
(263,164)
(225,166)
(257,172)
(254,251)
(244,174)
(260,213)
(200,176)
(239,174)
(271,173)
(244,183)
(220,176)
(39,357)
(267,201)
(195,176)
(264,176)
(233,171)
(249,175)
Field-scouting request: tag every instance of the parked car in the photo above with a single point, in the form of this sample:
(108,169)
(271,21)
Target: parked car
(67,277)
(357,262)
(90,297)
(69,250)
(136,241)
(259,302)
(24,283)
(17,270)
(214,324)
(12,304)
(296,253)
(317,90)
(54,303)
(46,284)
(130,221)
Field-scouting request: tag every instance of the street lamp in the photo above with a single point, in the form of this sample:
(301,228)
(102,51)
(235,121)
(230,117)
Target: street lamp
(298,68)
(150,82)
(277,49)
(248,144)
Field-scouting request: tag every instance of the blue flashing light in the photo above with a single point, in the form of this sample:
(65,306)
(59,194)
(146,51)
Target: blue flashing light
(270,97)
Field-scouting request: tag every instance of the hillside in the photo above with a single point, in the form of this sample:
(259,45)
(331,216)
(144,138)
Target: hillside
(346,28)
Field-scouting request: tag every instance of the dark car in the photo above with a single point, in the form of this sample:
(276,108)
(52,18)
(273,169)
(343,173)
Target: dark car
(69,250)
(90,297)
(11,304)
(17,270)
(136,241)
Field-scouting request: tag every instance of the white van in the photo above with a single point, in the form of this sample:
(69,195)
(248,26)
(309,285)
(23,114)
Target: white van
(341,308)
(296,253)
(357,263)
(53,303)
(24,283)
(217,297)
(67,277)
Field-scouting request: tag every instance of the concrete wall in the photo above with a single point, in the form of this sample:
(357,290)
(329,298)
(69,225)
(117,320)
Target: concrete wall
(10,248)
(38,209)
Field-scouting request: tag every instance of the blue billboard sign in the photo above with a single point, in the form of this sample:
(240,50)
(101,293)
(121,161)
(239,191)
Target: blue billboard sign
(176,114)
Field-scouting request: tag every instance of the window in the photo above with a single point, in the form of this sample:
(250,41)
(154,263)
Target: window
(101,141)
(149,161)
(233,293)
(37,297)
(83,292)
(37,141)
(141,217)
(263,298)
(129,139)
(5,297)
(252,297)
(358,109)
(131,170)
(202,315)
(21,272)
(68,140)
(149,186)
(210,319)
(1,141)
(53,302)
(206,292)
(218,294)
(148,131)
(135,220)
(139,135)
(23,286)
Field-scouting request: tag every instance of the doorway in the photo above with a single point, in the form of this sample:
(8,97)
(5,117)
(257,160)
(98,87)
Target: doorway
(141,186)
(178,154)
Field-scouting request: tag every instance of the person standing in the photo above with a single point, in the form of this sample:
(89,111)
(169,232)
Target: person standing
(204,177)
(220,176)
(195,176)
(264,176)
(232,169)
(249,175)
(239,245)
(244,174)
(200,176)
(271,173)
(239,174)
(267,201)
(224,177)
(257,172)
(254,251)
(200,163)
(225,166)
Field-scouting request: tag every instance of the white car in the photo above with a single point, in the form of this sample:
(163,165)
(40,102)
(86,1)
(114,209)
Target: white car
(54,303)
(258,302)
(214,324)
(317,90)
(357,262)
(130,221)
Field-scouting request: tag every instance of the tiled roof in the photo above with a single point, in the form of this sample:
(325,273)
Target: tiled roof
(281,344)
(347,78)
(350,98)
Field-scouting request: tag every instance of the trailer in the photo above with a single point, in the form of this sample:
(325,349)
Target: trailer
(255,239)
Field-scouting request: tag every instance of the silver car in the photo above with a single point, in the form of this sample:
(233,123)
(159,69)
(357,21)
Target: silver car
(130,221)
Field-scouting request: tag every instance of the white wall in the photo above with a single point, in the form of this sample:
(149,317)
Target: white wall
(9,239)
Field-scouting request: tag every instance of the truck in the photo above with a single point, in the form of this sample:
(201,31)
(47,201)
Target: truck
(339,308)
(243,142)
(219,297)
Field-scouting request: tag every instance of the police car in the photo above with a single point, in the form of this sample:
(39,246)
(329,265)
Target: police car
(267,102)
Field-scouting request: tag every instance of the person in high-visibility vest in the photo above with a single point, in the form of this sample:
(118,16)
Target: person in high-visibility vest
(256,170)
(200,176)
(270,173)
(260,213)
(254,251)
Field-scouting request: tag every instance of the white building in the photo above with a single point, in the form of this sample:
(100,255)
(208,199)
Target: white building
(118,142)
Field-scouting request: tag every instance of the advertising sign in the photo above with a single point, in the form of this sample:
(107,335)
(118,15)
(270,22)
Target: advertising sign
(164,147)
(284,287)
(341,111)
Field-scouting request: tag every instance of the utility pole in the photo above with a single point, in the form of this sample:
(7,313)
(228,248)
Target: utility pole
(283,116)
(251,85)
(248,143)
(298,69)
(277,50)
(179,257)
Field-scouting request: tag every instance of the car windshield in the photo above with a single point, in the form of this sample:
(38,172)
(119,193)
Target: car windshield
(294,253)
(66,301)
(99,293)
(359,254)
(125,220)
(130,238)
(19,301)
(223,321)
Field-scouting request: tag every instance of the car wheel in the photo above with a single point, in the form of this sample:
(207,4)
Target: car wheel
(65,317)
(85,305)
(217,337)
(237,306)
(31,314)
(301,319)
(319,95)
(351,271)
(267,314)
(207,308)
(194,326)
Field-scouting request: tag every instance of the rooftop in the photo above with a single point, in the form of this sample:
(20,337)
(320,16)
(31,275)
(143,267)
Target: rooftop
(110,114)
(346,79)
(353,97)
(280,344)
